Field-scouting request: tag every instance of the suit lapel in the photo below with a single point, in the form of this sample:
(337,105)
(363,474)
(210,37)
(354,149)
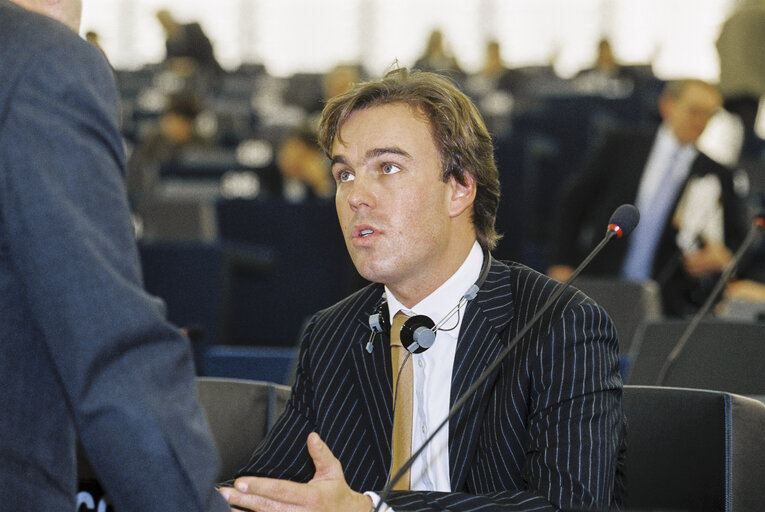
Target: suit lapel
(374,383)
(479,343)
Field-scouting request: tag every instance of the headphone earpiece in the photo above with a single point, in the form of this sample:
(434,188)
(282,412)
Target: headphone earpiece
(417,334)
(378,321)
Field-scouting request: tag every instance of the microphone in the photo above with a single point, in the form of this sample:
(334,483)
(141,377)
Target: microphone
(622,222)
(758,224)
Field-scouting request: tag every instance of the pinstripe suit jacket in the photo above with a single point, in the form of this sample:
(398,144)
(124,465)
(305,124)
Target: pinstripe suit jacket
(544,432)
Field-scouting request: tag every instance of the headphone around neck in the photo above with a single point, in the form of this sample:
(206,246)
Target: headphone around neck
(419,332)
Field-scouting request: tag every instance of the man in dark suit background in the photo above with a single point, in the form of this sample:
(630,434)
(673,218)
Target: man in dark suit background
(189,54)
(84,351)
(691,216)
(417,194)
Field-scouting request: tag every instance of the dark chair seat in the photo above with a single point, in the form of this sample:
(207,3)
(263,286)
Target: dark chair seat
(693,450)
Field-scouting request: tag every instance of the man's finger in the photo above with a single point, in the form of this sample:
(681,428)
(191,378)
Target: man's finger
(327,466)
(283,491)
(250,502)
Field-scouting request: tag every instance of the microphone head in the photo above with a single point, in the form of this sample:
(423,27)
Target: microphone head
(623,220)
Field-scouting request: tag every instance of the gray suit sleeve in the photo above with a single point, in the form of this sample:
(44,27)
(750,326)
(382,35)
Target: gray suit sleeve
(127,373)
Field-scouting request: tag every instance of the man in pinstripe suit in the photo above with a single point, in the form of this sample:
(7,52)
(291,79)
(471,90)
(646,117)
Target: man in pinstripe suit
(417,193)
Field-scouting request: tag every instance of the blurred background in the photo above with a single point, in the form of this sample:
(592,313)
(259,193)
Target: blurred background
(290,36)
(231,197)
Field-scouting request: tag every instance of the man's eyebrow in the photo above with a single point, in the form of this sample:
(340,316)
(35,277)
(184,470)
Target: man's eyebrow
(373,153)
(337,159)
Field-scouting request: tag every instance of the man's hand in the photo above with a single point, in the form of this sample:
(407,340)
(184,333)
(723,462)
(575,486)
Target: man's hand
(746,290)
(560,272)
(711,259)
(327,491)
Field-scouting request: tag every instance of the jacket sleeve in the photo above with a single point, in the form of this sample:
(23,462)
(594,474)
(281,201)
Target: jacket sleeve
(127,373)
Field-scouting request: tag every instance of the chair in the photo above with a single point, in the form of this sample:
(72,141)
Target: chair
(240,413)
(629,304)
(722,355)
(693,450)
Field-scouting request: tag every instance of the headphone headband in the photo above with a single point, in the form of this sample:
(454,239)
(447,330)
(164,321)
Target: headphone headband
(419,332)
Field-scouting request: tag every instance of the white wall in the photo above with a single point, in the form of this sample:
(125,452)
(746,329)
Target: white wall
(311,35)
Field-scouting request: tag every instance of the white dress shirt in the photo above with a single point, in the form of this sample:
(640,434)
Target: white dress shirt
(654,175)
(432,370)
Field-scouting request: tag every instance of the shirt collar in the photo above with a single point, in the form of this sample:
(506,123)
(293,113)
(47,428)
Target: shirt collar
(668,142)
(445,297)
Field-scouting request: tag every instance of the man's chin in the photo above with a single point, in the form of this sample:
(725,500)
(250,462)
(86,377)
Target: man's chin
(372,271)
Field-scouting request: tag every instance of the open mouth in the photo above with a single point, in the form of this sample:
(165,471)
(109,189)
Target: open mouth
(365,233)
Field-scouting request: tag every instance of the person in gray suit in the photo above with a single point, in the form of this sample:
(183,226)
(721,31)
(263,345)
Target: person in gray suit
(84,351)
(417,195)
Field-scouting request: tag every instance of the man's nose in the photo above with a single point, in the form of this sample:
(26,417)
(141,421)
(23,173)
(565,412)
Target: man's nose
(362,193)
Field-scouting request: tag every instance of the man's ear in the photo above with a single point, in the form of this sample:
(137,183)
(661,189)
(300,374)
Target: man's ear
(462,194)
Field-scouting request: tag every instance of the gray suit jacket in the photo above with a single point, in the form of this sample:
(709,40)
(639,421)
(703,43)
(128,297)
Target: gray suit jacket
(84,351)
(544,432)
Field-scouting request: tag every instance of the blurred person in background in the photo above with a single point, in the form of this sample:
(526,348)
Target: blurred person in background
(741,49)
(189,52)
(691,213)
(304,168)
(437,57)
(92,37)
(174,133)
(606,75)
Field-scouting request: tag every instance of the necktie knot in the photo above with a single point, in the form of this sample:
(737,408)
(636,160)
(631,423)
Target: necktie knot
(395,331)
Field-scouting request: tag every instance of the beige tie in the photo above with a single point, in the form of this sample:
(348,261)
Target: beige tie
(402,421)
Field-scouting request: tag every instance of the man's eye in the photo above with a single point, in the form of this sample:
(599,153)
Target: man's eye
(390,169)
(344,176)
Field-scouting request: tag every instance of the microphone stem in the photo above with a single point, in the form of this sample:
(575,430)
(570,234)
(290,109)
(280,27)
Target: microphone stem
(722,281)
(497,361)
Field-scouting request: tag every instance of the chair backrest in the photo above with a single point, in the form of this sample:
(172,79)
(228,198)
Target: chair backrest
(271,364)
(239,413)
(693,450)
(722,355)
(629,304)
